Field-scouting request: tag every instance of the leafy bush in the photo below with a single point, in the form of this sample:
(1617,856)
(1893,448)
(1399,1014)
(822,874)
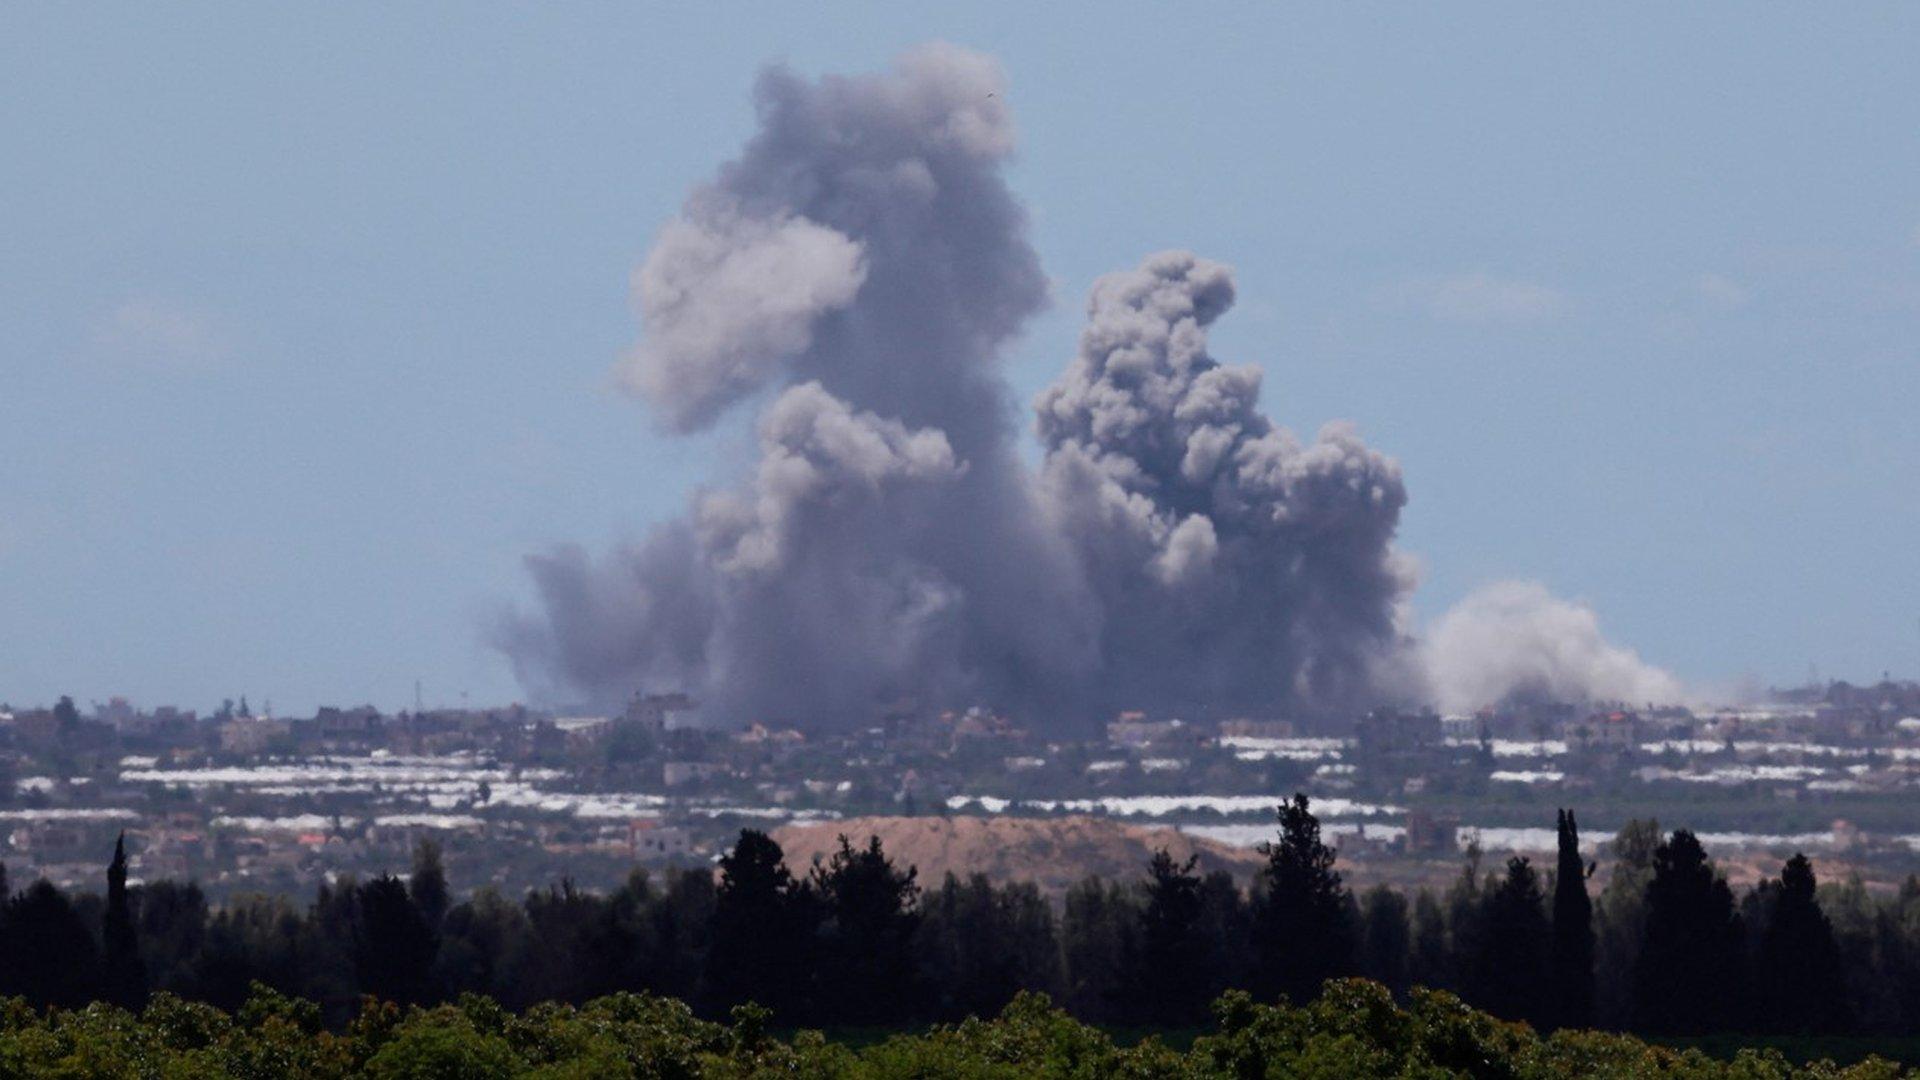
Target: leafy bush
(1354,1029)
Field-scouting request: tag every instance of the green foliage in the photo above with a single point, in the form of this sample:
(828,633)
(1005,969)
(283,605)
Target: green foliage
(1305,918)
(981,944)
(445,1047)
(867,973)
(1354,1029)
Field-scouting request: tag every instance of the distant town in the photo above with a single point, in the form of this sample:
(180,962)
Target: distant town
(243,801)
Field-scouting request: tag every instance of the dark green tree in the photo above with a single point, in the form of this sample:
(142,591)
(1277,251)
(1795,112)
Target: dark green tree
(1893,961)
(481,943)
(1572,931)
(764,924)
(258,939)
(867,972)
(1875,937)
(427,885)
(393,947)
(1466,916)
(1801,987)
(172,920)
(1620,921)
(322,959)
(577,947)
(50,957)
(1689,979)
(1430,959)
(981,943)
(123,972)
(1166,982)
(674,935)
(1226,931)
(1509,974)
(1099,923)
(1304,934)
(1386,946)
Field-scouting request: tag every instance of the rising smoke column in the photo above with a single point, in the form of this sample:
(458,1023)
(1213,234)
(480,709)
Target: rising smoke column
(864,263)
(854,275)
(1237,568)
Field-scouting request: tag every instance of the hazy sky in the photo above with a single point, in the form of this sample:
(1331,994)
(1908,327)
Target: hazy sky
(309,314)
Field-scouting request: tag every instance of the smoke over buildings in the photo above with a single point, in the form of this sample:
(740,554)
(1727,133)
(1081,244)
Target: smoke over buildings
(853,278)
(1232,564)
(854,274)
(1514,638)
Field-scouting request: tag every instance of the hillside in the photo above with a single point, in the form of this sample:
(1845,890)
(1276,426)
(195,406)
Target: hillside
(1051,852)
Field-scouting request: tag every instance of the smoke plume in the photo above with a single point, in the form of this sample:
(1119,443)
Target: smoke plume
(1234,566)
(854,277)
(863,262)
(1514,639)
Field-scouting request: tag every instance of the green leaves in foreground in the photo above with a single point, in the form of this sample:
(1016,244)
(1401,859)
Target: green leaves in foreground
(1355,1029)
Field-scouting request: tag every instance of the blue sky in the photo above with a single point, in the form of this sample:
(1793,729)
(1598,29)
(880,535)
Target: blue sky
(310,312)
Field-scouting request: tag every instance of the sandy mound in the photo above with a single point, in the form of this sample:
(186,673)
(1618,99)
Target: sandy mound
(1051,852)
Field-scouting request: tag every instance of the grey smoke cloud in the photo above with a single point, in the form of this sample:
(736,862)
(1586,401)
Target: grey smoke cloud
(817,457)
(1514,638)
(726,298)
(863,262)
(1235,567)
(854,276)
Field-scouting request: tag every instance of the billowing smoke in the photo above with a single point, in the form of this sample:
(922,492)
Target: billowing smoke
(1514,639)
(1234,567)
(863,263)
(854,276)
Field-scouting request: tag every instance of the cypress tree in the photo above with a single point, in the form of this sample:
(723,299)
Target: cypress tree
(124,972)
(1802,989)
(1572,931)
(1688,980)
(1305,933)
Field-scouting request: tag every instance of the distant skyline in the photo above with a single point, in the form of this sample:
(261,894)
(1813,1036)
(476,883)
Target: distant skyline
(313,315)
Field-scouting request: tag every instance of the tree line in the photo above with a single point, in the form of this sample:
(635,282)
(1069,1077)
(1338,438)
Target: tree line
(1666,948)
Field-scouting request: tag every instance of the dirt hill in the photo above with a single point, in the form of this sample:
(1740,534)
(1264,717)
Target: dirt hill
(1051,852)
